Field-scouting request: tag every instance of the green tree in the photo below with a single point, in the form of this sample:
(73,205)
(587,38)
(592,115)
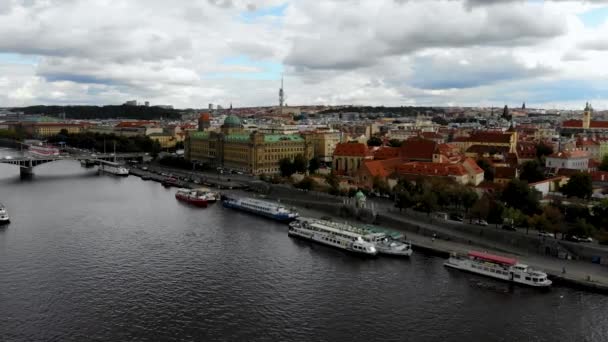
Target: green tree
(313,165)
(374,141)
(380,185)
(488,170)
(543,150)
(532,172)
(600,214)
(468,198)
(604,164)
(286,166)
(514,217)
(427,202)
(495,212)
(517,194)
(481,208)
(307,183)
(395,143)
(579,186)
(582,228)
(404,200)
(300,163)
(555,219)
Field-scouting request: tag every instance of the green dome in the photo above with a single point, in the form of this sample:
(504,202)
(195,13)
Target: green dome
(360,195)
(232,121)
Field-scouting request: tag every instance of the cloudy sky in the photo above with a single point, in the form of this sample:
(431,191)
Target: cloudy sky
(380,52)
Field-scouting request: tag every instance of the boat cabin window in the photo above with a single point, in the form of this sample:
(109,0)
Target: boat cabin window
(517,276)
(527,278)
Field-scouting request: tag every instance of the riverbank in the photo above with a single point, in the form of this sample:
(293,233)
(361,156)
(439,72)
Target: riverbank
(426,237)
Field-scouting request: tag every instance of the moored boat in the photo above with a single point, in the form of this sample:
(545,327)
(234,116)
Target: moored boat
(268,209)
(113,169)
(211,196)
(169,182)
(43,150)
(4,218)
(192,197)
(388,246)
(498,267)
(322,233)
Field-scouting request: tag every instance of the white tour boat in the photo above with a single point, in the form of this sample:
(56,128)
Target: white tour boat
(43,150)
(317,231)
(113,168)
(268,209)
(4,218)
(498,267)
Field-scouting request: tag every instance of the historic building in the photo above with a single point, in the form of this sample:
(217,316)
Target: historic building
(585,125)
(250,152)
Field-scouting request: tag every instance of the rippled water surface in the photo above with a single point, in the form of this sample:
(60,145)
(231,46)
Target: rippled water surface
(98,258)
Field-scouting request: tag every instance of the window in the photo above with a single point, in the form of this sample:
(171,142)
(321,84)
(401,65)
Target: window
(528,278)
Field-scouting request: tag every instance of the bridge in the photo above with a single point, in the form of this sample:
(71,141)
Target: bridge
(27,163)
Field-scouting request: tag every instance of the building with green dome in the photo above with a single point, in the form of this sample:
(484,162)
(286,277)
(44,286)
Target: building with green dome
(250,152)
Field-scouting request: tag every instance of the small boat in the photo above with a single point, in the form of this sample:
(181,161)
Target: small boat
(498,267)
(317,231)
(169,182)
(4,218)
(268,209)
(211,196)
(145,177)
(191,197)
(388,246)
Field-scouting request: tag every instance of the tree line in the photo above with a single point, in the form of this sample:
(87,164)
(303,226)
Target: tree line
(103,112)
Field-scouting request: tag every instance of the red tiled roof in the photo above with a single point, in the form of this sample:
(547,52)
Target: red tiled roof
(579,124)
(418,149)
(125,124)
(586,142)
(205,116)
(380,168)
(386,152)
(505,172)
(493,137)
(351,150)
(431,169)
(482,149)
(526,150)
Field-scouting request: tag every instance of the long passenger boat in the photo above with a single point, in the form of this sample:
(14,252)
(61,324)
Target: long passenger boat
(498,267)
(334,237)
(268,209)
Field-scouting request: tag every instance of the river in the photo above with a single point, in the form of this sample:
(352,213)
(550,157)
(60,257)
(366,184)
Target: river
(98,258)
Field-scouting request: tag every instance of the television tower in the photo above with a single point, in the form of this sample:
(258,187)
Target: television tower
(281,96)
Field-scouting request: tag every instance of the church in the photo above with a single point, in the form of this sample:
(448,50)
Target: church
(586,125)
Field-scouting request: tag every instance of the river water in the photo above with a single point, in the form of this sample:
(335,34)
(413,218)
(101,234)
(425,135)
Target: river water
(98,258)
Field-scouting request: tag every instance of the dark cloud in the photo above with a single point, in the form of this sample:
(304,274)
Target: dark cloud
(459,71)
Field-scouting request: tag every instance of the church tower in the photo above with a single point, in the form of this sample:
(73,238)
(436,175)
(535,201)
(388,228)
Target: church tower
(587,116)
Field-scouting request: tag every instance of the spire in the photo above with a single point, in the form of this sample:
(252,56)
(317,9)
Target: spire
(281,96)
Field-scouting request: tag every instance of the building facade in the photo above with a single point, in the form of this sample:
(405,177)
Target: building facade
(253,153)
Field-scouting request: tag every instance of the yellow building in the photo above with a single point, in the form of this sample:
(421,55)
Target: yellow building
(252,153)
(165,140)
(325,144)
(48,129)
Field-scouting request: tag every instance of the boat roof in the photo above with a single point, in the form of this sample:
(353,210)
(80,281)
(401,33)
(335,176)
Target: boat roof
(334,230)
(493,258)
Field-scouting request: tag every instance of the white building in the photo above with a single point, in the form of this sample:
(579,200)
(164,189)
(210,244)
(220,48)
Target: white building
(574,160)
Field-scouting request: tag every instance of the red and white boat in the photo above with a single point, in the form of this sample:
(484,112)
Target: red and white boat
(43,150)
(192,197)
(498,267)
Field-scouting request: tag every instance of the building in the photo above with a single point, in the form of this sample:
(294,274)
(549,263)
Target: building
(250,152)
(497,140)
(349,156)
(504,174)
(325,144)
(592,147)
(466,172)
(165,140)
(131,103)
(585,125)
(46,129)
(572,160)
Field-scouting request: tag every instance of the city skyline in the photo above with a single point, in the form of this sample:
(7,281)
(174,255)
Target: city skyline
(465,53)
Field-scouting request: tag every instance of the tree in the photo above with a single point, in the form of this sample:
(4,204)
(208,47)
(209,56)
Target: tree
(579,186)
(514,217)
(555,219)
(582,228)
(395,143)
(300,163)
(600,214)
(380,185)
(481,208)
(604,164)
(532,172)
(404,200)
(334,183)
(517,194)
(374,141)
(307,183)
(543,149)
(313,165)
(468,198)
(496,212)
(427,202)
(286,167)
(488,170)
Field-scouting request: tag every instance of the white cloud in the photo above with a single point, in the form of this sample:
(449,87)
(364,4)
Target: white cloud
(392,52)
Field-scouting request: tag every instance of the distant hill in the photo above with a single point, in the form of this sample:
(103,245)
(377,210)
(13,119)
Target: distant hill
(104,112)
(401,111)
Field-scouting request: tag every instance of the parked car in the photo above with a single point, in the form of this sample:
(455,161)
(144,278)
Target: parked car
(574,238)
(546,234)
(456,217)
(480,222)
(509,227)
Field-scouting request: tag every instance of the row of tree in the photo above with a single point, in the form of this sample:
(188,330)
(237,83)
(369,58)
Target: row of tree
(105,142)
(104,112)
(299,164)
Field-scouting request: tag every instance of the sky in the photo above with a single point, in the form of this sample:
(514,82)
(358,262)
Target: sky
(186,53)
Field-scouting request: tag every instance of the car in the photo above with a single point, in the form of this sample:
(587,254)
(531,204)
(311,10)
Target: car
(574,238)
(480,222)
(509,227)
(456,217)
(546,234)
(239,173)
(145,168)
